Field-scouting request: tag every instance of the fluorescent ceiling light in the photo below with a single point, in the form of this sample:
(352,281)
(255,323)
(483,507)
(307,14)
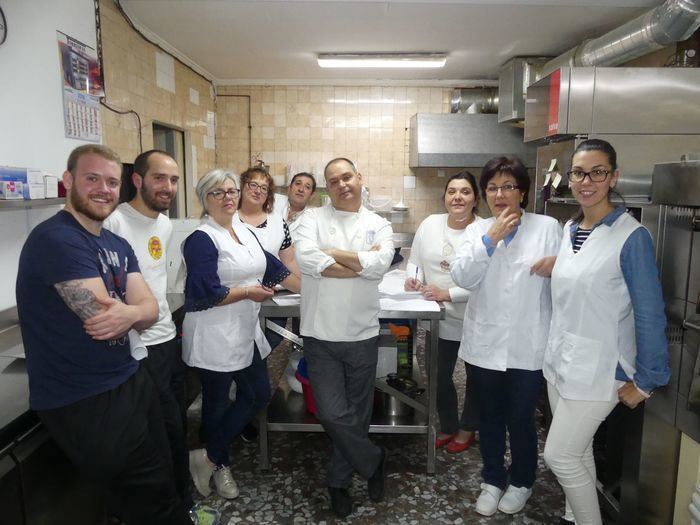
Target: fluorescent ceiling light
(382,60)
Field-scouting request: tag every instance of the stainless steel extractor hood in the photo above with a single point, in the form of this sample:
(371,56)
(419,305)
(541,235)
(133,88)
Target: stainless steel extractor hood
(461,140)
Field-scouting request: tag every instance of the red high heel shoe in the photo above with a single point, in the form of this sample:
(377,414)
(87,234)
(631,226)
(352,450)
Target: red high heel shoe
(453,447)
(441,442)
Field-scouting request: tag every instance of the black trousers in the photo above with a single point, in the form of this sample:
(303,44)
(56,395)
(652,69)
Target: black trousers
(450,419)
(167,370)
(117,439)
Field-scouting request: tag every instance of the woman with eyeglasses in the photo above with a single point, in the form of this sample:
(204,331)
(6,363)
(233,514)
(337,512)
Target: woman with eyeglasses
(255,211)
(228,276)
(428,271)
(607,342)
(505,262)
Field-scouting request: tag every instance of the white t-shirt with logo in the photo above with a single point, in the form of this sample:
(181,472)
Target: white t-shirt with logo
(149,238)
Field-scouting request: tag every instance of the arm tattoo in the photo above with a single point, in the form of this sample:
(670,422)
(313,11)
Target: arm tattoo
(79,299)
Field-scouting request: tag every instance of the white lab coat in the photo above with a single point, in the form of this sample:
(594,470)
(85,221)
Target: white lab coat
(593,321)
(222,338)
(342,309)
(508,313)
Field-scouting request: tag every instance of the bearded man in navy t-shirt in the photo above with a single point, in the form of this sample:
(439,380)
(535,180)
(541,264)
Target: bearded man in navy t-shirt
(79,293)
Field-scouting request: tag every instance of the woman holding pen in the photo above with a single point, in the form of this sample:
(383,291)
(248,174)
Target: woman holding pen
(434,247)
(228,276)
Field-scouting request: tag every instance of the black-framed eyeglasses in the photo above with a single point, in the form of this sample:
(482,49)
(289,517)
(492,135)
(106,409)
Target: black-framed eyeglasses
(219,194)
(506,188)
(255,186)
(597,175)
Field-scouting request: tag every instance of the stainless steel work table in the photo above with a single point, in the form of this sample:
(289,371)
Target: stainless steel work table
(288,413)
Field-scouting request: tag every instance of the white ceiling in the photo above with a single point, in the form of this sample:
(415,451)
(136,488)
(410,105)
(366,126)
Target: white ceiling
(263,41)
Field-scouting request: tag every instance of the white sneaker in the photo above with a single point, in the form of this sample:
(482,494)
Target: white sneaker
(514,499)
(226,486)
(487,503)
(201,471)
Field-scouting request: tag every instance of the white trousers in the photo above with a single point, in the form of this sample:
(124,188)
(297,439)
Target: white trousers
(568,452)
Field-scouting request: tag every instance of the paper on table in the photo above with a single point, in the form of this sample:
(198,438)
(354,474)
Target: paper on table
(392,285)
(287,300)
(409,305)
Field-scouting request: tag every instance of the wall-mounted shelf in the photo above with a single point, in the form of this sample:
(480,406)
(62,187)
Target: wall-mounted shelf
(35,203)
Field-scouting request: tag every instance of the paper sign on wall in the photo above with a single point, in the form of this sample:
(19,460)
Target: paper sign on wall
(82,89)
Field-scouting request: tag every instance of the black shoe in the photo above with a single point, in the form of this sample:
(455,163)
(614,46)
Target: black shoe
(564,521)
(341,502)
(375,484)
(249,433)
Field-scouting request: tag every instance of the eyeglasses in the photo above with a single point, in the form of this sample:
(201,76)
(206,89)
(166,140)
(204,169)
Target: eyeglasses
(255,186)
(505,189)
(220,194)
(595,175)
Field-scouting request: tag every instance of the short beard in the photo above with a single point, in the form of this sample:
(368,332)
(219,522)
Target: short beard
(82,205)
(149,199)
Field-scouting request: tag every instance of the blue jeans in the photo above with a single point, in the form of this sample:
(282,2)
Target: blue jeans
(507,400)
(223,420)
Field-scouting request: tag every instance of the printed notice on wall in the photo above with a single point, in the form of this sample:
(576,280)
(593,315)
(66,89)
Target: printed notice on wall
(82,89)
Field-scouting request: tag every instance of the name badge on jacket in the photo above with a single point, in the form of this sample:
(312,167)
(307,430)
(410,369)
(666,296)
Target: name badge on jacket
(369,237)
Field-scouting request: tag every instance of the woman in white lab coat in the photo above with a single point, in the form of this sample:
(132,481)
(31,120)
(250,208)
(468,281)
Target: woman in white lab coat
(607,343)
(428,271)
(505,262)
(228,275)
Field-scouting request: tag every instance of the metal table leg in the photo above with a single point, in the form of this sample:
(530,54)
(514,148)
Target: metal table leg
(432,347)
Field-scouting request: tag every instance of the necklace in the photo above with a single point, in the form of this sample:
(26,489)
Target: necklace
(447,248)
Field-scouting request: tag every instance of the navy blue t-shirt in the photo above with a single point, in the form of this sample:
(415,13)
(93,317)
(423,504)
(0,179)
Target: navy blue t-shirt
(65,364)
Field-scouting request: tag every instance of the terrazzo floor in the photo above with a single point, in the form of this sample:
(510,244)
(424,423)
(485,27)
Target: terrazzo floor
(293,490)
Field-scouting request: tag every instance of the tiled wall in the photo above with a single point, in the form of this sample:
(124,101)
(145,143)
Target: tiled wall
(300,128)
(130,84)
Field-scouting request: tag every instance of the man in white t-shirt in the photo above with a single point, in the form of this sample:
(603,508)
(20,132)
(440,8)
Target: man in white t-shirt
(343,251)
(142,222)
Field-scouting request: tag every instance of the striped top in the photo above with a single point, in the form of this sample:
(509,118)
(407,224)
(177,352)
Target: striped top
(580,238)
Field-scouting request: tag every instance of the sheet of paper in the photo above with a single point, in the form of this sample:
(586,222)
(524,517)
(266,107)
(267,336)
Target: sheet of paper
(556,180)
(547,176)
(408,305)
(287,300)
(392,285)
(552,165)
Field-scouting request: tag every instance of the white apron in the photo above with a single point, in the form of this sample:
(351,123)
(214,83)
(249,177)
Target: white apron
(592,318)
(221,338)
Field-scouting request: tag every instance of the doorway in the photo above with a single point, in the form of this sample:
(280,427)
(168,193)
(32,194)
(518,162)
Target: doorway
(172,141)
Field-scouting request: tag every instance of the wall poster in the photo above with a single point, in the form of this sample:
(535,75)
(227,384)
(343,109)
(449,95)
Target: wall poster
(82,89)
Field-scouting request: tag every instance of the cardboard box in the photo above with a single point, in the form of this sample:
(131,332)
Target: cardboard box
(50,186)
(11,174)
(35,182)
(10,189)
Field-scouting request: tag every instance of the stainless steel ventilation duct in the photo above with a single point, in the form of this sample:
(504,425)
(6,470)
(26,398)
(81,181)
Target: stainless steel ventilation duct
(474,100)
(671,22)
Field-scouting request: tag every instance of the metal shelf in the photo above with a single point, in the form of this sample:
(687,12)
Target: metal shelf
(290,415)
(34,203)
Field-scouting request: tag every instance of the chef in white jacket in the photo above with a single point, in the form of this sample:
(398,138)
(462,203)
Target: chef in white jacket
(505,262)
(343,250)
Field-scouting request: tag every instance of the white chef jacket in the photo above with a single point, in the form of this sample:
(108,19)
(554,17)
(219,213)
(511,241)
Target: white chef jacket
(434,248)
(281,208)
(508,313)
(593,321)
(150,239)
(222,338)
(342,309)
